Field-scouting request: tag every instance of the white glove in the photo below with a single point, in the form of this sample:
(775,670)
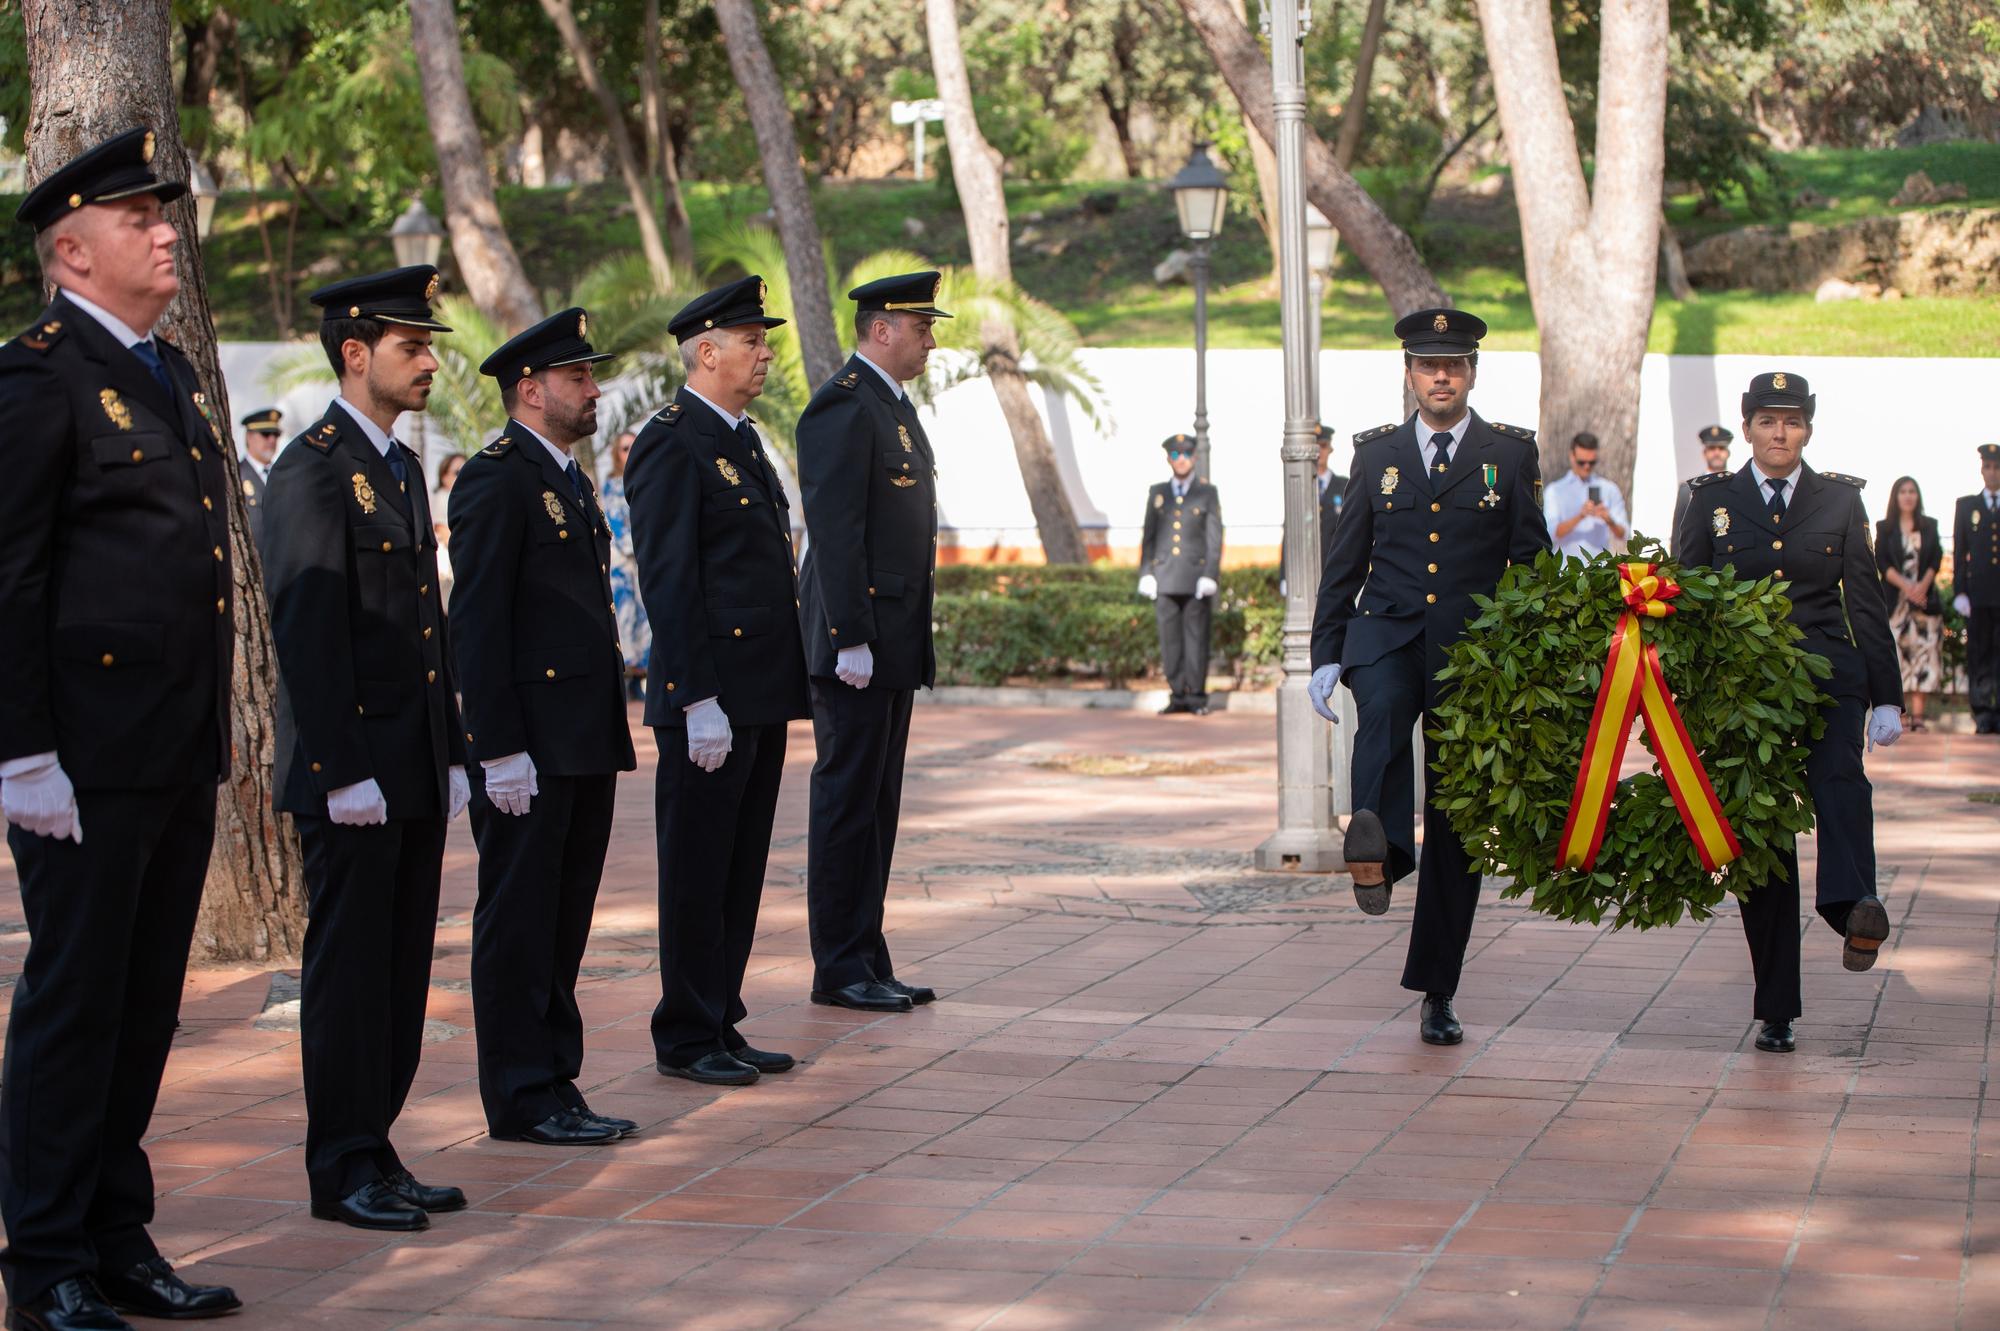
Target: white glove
(709,740)
(42,802)
(855,666)
(1320,689)
(510,784)
(1149,587)
(461,792)
(1963,604)
(358,805)
(1204,588)
(1885,726)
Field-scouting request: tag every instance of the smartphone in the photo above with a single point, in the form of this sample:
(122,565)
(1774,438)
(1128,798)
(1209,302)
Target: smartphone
(1594,492)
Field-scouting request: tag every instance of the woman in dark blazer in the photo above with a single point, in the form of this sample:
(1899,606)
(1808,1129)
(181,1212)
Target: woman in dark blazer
(1908,554)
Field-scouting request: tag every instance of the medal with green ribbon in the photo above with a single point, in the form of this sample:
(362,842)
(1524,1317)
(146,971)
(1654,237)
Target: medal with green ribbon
(1491,475)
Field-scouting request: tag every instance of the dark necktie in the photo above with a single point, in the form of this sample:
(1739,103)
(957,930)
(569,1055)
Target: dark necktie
(1442,443)
(401,471)
(575,474)
(149,356)
(746,434)
(1777,505)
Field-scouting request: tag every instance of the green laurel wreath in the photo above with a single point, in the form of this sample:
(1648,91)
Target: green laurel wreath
(1523,684)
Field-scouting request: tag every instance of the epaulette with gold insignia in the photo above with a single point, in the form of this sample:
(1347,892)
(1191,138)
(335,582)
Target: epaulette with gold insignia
(1517,431)
(41,336)
(1855,481)
(671,416)
(1376,433)
(498,448)
(848,380)
(1708,478)
(323,437)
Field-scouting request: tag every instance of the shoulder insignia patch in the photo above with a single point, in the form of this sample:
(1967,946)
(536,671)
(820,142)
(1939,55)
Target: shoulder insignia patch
(323,437)
(1375,433)
(41,336)
(1708,478)
(1517,431)
(848,380)
(1855,481)
(671,416)
(498,448)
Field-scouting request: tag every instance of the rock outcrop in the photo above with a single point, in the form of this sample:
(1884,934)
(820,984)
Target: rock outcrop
(1944,252)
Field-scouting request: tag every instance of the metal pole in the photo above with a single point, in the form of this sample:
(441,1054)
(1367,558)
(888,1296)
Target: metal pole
(1201,359)
(1306,839)
(1318,302)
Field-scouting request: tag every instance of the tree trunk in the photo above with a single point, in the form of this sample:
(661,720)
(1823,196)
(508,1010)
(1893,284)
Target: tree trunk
(785,179)
(1674,263)
(486,259)
(1121,125)
(1383,248)
(207,38)
(563,16)
(1354,116)
(1590,255)
(95,70)
(1264,162)
(661,160)
(975,167)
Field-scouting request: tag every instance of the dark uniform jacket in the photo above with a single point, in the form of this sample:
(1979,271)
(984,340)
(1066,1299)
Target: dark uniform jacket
(116,637)
(1412,548)
(1182,538)
(253,497)
(1820,548)
(869,482)
(1975,553)
(534,636)
(711,530)
(1330,499)
(364,659)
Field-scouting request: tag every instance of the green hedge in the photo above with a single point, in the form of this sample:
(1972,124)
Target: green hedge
(996,622)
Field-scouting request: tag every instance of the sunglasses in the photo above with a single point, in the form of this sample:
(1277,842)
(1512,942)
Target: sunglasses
(1181,453)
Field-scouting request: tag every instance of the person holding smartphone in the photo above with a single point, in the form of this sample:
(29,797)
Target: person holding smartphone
(1585,512)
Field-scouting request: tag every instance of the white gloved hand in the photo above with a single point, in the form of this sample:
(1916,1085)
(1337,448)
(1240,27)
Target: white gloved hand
(1963,604)
(1204,588)
(855,666)
(358,805)
(1320,689)
(511,783)
(1885,726)
(1149,587)
(709,739)
(42,802)
(461,792)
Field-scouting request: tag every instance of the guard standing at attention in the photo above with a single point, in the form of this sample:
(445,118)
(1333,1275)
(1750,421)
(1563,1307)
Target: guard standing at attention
(1437,509)
(870,489)
(1715,442)
(1180,557)
(711,531)
(114,720)
(1777,518)
(261,430)
(1975,585)
(370,750)
(535,646)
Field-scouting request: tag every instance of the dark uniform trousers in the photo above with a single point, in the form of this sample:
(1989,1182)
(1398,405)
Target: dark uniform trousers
(1975,565)
(861,735)
(1183,622)
(1982,662)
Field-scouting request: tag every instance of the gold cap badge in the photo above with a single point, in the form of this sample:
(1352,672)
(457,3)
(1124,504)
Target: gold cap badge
(761,290)
(582,325)
(146,147)
(1439,323)
(431,287)
(1777,381)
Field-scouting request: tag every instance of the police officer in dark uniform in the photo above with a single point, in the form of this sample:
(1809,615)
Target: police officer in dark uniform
(261,430)
(711,530)
(1975,584)
(535,646)
(1437,509)
(370,749)
(1778,518)
(1332,488)
(869,482)
(114,720)
(1180,557)
(1715,441)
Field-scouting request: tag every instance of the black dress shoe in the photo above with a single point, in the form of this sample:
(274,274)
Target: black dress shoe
(764,1060)
(1199,709)
(70,1305)
(373,1205)
(719,1068)
(424,1197)
(1775,1037)
(1440,1023)
(1173,709)
(917,993)
(626,1127)
(1366,848)
(151,1289)
(565,1127)
(1867,926)
(864,996)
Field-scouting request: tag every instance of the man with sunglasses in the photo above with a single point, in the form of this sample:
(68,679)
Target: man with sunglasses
(1180,558)
(1585,511)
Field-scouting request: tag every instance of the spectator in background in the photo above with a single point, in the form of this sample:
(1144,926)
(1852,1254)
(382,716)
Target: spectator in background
(447,474)
(635,635)
(1585,512)
(1332,486)
(1715,441)
(1908,556)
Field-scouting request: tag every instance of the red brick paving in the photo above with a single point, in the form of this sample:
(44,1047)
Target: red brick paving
(1163,1090)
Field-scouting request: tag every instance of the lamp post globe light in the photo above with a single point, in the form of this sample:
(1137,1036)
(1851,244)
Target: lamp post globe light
(1201,196)
(416,236)
(201,186)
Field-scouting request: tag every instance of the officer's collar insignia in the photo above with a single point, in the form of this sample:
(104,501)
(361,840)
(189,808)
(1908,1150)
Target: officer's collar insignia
(1777,381)
(729,472)
(364,493)
(554,506)
(1718,522)
(1439,323)
(115,408)
(903,434)
(1392,476)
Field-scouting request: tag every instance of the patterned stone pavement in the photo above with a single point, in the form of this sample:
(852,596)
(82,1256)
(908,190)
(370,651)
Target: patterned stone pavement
(1165,1090)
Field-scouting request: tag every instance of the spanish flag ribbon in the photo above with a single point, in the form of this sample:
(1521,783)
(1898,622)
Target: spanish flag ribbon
(1634,684)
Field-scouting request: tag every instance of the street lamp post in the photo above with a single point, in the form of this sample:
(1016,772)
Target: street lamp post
(1320,238)
(416,236)
(1201,195)
(1305,839)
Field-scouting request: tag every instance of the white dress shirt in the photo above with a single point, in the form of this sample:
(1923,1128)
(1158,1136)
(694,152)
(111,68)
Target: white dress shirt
(887,378)
(730,419)
(1564,498)
(376,434)
(112,324)
(562,459)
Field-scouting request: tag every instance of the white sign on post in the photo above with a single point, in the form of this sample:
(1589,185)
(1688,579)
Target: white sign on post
(918,114)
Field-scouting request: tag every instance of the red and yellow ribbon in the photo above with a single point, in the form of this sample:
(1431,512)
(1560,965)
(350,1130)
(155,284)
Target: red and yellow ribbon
(1634,683)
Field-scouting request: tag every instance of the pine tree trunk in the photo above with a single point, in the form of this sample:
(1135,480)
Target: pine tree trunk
(1354,116)
(975,167)
(486,258)
(94,70)
(661,160)
(1264,163)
